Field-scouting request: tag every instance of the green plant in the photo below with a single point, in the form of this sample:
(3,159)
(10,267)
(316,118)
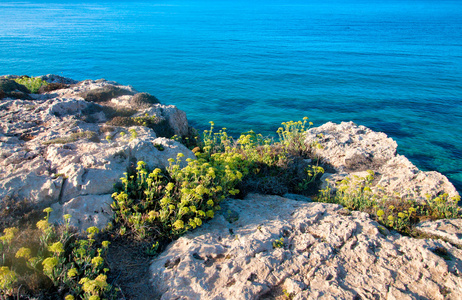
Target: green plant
(270,167)
(278,243)
(152,250)
(292,135)
(358,193)
(288,295)
(145,120)
(7,280)
(134,134)
(33,84)
(74,265)
(159,147)
(166,204)
(312,173)
(8,235)
(443,207)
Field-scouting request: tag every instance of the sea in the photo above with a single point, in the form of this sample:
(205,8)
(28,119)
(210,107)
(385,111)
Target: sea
(394,66)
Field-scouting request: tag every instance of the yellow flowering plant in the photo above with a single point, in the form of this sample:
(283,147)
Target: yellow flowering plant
(394,212)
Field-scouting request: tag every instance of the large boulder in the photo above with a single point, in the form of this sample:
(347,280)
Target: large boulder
(51,154)
(349,149)
(266,247)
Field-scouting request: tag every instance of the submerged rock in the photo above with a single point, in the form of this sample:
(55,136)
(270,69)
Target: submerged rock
(308,250)
(350,149)
(58,149)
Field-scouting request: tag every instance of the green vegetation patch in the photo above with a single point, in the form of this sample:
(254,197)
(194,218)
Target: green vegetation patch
(160,126)
(401,214)
(53,259)
(166,203)
(33,84)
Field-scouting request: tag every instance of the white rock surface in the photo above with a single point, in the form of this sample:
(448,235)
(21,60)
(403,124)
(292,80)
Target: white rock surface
(50,155)
(447,229)
(326,254)
(351,149)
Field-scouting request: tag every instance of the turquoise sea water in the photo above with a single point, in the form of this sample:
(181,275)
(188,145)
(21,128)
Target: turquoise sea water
(394,66)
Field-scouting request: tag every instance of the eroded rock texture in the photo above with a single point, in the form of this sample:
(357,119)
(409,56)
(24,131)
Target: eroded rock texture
(326,253)
(351,149)
(59,150)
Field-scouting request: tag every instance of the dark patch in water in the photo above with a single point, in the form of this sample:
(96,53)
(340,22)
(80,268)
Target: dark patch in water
(455,152)
(392,129)
(432,105)
(323,105)
(423,162)
(458,185)
(236,103)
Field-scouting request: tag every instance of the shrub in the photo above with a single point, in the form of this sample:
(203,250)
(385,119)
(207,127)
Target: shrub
(167,203)
(143,100)
(122,121)
(33,84)
(357,193)
(292,136)
(71,265)
(104,94)
(9,85)
(160,126)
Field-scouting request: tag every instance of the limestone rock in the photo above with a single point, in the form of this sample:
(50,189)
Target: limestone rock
(324,254)
(447,229)
(175,119)
(86,211)
(351,149)
(52,78)
(57,149)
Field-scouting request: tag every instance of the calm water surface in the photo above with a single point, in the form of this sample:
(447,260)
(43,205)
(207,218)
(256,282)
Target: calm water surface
(395,67)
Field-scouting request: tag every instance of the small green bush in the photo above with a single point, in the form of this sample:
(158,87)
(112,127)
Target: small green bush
(166,203)
(72,266)
(358,193)
(143,100)
(33,84)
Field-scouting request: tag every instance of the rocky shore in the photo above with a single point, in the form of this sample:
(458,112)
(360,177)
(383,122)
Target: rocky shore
(67,146)
(57,148)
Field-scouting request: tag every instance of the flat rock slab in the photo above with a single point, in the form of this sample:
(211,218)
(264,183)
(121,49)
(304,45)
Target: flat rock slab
(325,253)
(450,230)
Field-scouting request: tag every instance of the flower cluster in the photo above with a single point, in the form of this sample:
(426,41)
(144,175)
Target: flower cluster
(358,193)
